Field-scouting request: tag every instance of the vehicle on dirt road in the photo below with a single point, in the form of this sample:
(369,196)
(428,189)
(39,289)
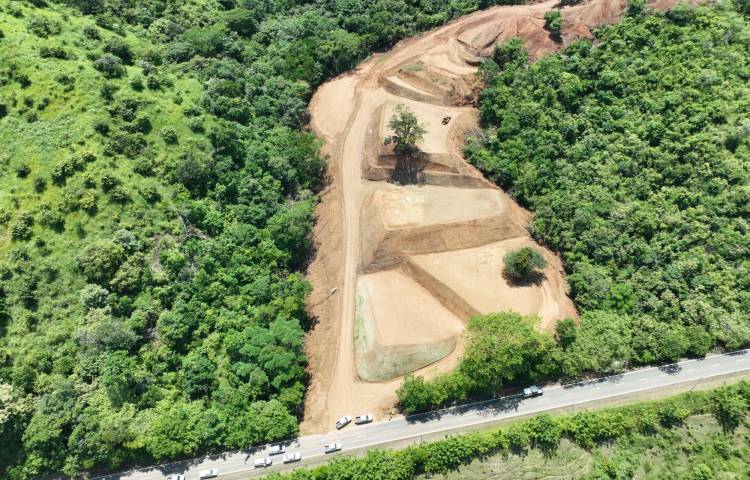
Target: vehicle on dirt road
(176,477)
(292,457)
(362,419)
(343,421)
(209,473)
(332,447)
(532,391)
(276,449)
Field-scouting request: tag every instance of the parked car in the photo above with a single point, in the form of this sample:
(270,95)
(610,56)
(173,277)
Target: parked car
(343,421)
(176,477)
(362,419)
(263,462)
(208,473)
(532,391)
(292,457)
(276,449)
(332,447)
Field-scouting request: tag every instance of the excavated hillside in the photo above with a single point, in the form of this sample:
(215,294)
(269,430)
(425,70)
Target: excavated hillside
(407,253)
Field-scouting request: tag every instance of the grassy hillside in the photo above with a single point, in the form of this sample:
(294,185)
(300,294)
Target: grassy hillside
(697,449)
(143,315)
(156,196)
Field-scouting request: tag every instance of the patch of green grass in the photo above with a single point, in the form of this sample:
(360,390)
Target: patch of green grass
(700,444)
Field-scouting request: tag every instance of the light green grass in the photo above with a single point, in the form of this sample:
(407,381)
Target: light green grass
(672,454)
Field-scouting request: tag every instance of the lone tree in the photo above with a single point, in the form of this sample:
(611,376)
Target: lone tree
(407,131)
(553,21)
(520,263)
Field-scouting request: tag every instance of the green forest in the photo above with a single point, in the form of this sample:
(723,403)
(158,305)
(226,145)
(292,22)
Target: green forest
(634,156)
(157,196)
(633,152)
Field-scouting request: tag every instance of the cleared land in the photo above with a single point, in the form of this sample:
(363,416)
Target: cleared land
(413,252)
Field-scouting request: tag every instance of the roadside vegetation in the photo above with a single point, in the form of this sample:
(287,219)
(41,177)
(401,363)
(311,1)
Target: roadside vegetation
(157,196)
(634,156)
(667,438)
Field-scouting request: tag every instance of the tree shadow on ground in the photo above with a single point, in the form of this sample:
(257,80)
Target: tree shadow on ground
(409,168)
(489,407)
(534,278)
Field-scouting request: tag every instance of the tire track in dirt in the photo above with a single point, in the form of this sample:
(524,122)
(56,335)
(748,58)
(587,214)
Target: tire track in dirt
(433,238)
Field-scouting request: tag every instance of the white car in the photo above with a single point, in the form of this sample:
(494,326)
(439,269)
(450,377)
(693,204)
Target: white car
(263,462)
(176,477)
(276,449)
(362,419)
(533,391)
(343,421)
(208,473)
(332,447)
(292,457)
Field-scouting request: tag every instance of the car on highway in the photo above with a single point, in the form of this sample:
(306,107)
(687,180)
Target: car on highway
(332,447)
(532,391)
(343,421)
(263,462)
(176,477)
(362,419)
(208,473)
(276,449)
(292,457)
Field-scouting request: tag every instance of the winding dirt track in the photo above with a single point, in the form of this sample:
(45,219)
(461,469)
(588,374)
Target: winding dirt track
(412,255)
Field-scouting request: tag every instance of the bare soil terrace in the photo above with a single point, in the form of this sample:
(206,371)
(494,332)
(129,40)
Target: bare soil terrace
(405,258)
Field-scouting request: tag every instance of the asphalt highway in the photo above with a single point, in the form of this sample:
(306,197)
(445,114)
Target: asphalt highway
(235,465)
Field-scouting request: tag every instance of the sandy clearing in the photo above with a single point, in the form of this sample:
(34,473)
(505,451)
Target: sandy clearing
(411,205)
(475,275)
(385,292)
(343,113)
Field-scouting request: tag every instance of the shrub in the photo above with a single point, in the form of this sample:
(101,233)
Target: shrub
(91,32)
(109,182)
(150,193)
(119,48)
(40,184)
(99,261)
(20,229)
(107,91)
(23,171)
(196,124)
(169,136)
(179,52)
(144,165)
(521,263)
(43,26)
(93,296)
(119,195)
(101,128)
(136,83)
(51,217)
(53,51)
(553,21)
(3,110)
(109,65)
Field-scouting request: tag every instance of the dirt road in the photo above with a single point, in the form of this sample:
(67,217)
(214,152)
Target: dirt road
(406,254)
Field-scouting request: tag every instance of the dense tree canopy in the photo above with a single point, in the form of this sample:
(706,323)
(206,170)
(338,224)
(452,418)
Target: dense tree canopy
(634,156)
